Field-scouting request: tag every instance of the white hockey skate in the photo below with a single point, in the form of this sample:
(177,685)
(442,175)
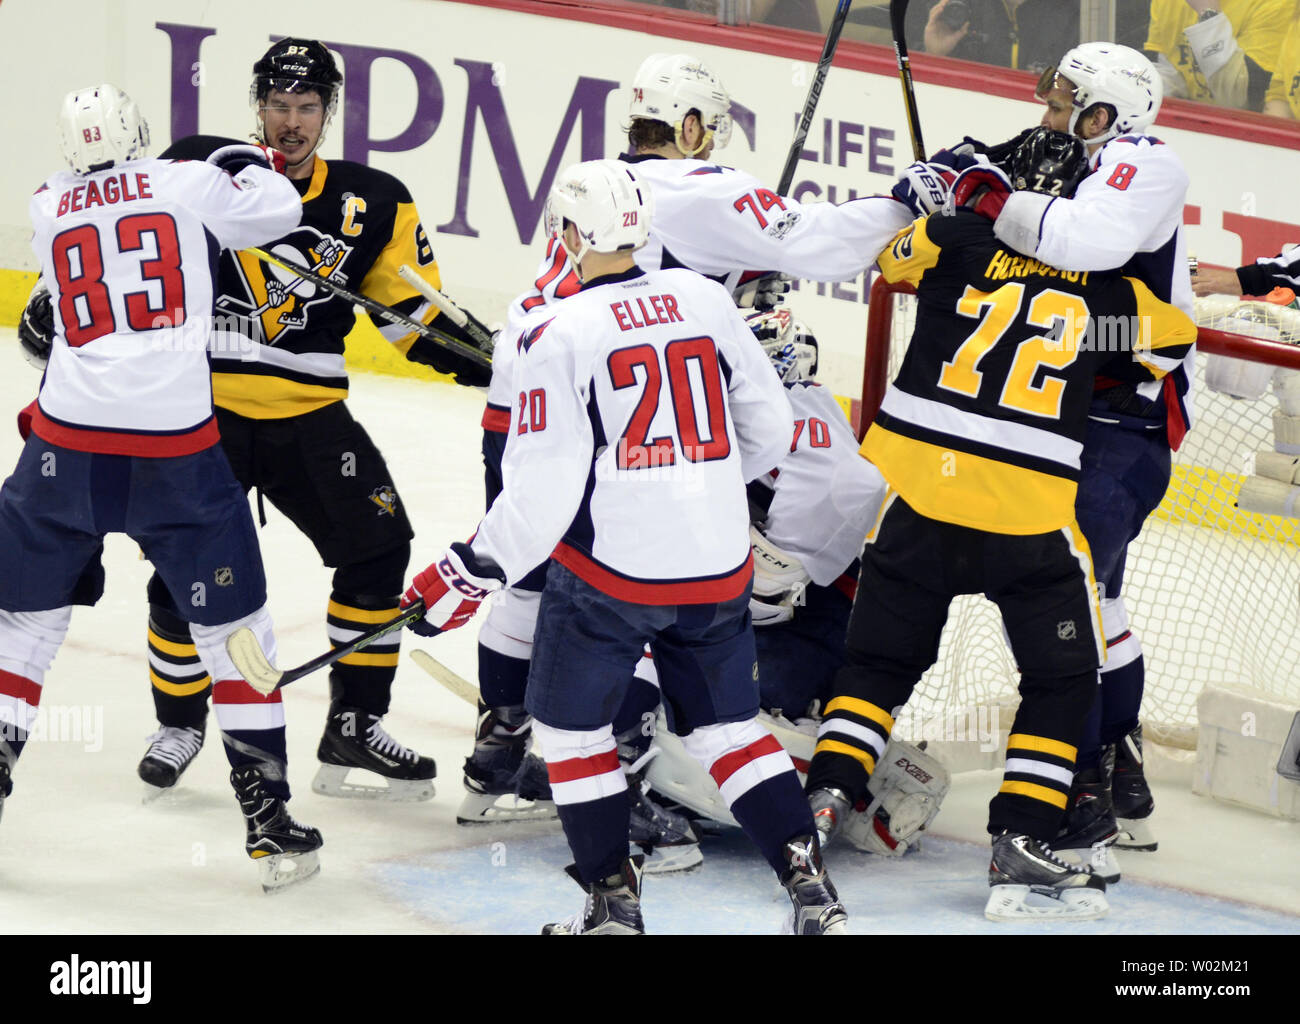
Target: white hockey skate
(355,739)
(1023,867)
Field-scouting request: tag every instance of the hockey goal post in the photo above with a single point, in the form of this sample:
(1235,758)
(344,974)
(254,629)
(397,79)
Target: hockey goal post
(1212,591)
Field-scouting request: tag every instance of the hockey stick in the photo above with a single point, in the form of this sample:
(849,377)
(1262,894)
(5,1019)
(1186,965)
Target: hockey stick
(897,18)
(262,676)
(378,308)
(814,94)
(471,324)
(463,689)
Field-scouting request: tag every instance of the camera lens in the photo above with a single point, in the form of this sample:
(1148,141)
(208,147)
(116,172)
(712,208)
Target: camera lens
(955,15)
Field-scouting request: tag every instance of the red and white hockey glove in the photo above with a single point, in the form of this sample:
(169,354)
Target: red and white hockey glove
(234,159)
(452,588)
(983,188)
(923,187)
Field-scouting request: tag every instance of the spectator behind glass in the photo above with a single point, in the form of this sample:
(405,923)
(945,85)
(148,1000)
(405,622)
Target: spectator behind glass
(1283,97)
(1224,51)
(1025,34)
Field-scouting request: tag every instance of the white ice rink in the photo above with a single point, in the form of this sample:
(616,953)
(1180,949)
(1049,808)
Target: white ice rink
(80,853)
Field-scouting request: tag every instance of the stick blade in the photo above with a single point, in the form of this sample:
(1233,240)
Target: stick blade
(466,691)
(251,660)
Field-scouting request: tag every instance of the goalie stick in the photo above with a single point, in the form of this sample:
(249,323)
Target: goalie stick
(897,18)
(471,324)
(262,676)
(814,94)
(438,337)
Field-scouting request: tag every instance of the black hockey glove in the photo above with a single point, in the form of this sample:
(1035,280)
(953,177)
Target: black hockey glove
(36,328)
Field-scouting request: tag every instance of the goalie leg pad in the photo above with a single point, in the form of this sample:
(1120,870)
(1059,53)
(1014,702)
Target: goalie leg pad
(906,791)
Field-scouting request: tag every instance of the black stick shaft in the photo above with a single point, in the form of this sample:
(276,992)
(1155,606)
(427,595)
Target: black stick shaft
(897,22)
(408,615)
(814,94)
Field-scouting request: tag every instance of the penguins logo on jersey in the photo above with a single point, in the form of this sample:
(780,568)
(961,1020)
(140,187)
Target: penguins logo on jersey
(279,299)
(386,499)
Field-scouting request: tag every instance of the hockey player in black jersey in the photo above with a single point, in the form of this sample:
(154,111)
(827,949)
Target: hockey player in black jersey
(979,438)
(279,385)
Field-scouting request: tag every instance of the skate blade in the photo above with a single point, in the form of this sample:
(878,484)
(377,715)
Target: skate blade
(279,871)
(151,794)
(1100,857)
(486,809)
(837,925)
(1135,834)
(669,859)
(331,780)
(1009,903)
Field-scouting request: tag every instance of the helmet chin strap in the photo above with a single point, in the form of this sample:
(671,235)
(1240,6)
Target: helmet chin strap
(705,139)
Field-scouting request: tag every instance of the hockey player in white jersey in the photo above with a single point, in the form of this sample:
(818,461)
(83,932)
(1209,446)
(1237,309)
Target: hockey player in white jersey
(718,221)
(1127,213)
(645,405)
(122,435)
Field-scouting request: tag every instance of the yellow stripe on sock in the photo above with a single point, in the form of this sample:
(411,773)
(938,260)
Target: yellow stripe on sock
(370,617)
(179,689)
(171,647)
(373,660)
(866,709)
(857,753)
(1041,744)
(1035,792)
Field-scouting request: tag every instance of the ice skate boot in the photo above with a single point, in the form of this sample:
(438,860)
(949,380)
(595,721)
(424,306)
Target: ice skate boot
(613,904)
(1132,796)
(503,781)
(1022,866)
(354,738)
(817,906)
(171,749)
(285,850)
(6,786)
(830,808)
(1089,831)
(667,839)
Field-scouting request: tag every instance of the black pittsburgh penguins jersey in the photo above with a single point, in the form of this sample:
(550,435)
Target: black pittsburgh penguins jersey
(277,347)
(984,424)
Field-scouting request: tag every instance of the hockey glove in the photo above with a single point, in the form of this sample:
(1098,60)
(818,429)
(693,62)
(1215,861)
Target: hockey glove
(983,189)
(923,188)
(36,328)
(234,159)
(764,292)
(452,589)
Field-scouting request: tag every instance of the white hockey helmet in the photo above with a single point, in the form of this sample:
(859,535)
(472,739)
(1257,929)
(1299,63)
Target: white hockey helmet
(1116,76)
(606,203)
(789,344)
(100,126)
(668,86)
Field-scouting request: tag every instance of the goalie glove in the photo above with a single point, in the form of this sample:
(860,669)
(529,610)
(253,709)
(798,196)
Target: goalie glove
(906,790)
(452,588)
(235,159)
(982,188)
(36,328)
(779,582)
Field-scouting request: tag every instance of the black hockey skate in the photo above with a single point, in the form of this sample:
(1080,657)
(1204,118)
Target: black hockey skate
(171,749)
(817,906)
(1132,796)
(613,904)
(1022,865)
(503,781)
(668,839)
(6,786)
(285,850)
(830,809)
(1089,831)
(354,738)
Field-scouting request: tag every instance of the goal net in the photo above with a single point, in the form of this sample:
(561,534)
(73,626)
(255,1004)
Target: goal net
(1212,590)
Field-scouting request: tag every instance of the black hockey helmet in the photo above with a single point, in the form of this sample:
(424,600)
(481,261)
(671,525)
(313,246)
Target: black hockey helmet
(1049,162)
(298,65)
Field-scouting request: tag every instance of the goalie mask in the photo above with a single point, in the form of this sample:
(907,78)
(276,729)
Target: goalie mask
(296,66)
(605,202)
(101,126)
(789,344)
(1049,162)
(668,86)
(1110,75)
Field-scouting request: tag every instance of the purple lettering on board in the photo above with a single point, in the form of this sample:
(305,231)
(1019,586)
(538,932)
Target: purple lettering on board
(359,63)
(484,98)
(186,41)
(847,131)
(878,152)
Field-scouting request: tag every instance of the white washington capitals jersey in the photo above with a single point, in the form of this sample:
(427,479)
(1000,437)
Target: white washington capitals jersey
(824,495)
(129,254)
(643,405)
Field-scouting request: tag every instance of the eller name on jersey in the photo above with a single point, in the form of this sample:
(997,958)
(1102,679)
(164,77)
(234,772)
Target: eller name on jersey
(984,424)
(278,349)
